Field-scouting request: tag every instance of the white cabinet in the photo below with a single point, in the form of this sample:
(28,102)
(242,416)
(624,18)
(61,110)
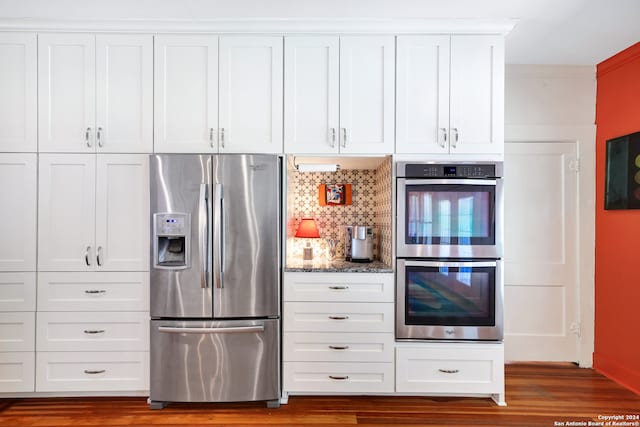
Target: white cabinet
(17,372)
(93,212)
(450,94)
(334,341)
(339,94)
(18,291)
(18,199)
(218,94)
(95,93)
(18,92)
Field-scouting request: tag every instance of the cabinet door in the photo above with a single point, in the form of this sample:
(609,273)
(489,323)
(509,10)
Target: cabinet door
(124,77)
(186,94)
(66,212)
(18,191)
(66,92)
(311,94)
(18,92)
(17,372)
(251,94)
(477,94)
(367,81)
(422,94)
(122,212)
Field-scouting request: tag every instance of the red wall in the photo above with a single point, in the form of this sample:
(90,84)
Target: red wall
(617,269)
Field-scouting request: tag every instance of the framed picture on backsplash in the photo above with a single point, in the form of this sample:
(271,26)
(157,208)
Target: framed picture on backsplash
(334,194)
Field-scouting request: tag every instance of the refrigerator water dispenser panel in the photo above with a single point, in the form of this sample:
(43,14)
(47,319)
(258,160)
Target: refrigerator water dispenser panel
(171,240)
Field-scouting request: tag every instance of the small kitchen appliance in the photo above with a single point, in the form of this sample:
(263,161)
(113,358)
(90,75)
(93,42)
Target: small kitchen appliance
(359,243)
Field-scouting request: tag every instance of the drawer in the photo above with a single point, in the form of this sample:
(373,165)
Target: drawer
(17,372)
(338,317)
(17,331)
(453,368)
(92,371)
(101,331)
(327,377)
(339,287)
(17,291)
(338,347)
(87,291)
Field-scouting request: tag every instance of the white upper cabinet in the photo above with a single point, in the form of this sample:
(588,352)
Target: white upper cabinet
(186,94)
(93,212)
(450,94)
(18,92)
(18,202)
(95,93)
(226,99)
(339,94)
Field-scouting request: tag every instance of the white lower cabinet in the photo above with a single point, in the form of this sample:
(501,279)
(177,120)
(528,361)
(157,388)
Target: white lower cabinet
(17,371)
(332,377)
(451,368)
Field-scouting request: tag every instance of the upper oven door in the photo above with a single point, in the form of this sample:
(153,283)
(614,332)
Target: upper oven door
(449,218)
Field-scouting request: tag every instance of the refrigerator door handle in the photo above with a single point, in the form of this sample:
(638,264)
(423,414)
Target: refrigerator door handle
(218,259)
(203,226)
(230,330)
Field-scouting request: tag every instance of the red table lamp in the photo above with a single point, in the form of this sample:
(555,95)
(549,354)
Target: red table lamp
(308,229)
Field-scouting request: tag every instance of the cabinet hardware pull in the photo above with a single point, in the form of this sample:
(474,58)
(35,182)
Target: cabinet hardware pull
(339,347)
(338,317)
(341,377)
(98,253)
(456,137)
(339,287)
(449,371)
(222,137)
(86,137)
(444,137)
(95,291)
(344,137)
(86,256)
(94,331)
(333,137)
(211,137)
(99,136)
(91,372)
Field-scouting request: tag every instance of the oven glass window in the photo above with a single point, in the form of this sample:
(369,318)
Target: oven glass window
(445,214)
(450,296)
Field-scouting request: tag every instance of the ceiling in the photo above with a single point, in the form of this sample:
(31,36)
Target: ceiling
(578,32)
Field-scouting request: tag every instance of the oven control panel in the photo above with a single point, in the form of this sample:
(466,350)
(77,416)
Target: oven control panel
(441,170)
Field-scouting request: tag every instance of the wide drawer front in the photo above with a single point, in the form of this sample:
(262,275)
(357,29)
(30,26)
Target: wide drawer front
(338,317)
(439,370)
(17,331)
(18,291)
(339,287)
(17,372)
(92,371)
(321,377)
(338,347)
(104,291)
(101,331)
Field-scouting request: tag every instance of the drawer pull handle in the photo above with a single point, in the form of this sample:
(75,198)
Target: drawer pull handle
(339,288)
(95,291)
(340,378)
(94,331)
(339,347)
(90,372)
(449,371)
(338,317)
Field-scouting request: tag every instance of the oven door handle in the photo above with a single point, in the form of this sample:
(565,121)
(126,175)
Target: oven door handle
(454,181)
(450,264)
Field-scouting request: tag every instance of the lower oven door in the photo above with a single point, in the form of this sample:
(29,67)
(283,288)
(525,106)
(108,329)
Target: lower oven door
(449,300)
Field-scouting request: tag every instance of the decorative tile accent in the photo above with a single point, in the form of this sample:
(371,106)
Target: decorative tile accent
(371,206)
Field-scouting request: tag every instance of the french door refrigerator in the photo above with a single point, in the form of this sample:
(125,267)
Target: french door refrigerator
(215,278)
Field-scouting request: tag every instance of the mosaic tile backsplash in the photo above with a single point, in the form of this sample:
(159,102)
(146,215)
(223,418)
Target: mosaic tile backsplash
(371,206)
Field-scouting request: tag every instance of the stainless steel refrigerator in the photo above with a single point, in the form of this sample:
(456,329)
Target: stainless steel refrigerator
(215,278)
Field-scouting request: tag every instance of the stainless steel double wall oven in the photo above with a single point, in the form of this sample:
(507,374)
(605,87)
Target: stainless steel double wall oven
(449,248)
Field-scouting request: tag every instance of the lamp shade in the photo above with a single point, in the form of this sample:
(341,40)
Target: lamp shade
(308,229)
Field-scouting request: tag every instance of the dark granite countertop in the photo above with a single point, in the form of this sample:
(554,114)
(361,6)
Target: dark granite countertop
(338,266)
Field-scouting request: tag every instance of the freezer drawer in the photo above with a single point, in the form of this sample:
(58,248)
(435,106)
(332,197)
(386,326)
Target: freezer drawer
(215,361)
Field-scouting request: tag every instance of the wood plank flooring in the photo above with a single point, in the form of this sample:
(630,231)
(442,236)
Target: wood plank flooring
(537,395)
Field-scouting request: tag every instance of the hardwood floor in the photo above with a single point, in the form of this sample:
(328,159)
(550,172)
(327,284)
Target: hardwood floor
(537,395)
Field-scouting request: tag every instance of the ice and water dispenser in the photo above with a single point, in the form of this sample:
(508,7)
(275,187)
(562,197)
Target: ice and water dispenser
(171,240)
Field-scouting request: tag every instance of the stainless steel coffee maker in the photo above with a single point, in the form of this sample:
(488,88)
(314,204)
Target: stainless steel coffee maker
(359,243)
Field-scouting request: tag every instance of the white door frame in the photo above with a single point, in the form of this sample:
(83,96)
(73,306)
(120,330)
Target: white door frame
(584,137)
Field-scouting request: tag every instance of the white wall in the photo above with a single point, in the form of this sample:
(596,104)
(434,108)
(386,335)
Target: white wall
(557,103)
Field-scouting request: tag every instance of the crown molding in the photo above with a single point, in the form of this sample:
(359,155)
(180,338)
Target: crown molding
(267,26)
(618,60)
